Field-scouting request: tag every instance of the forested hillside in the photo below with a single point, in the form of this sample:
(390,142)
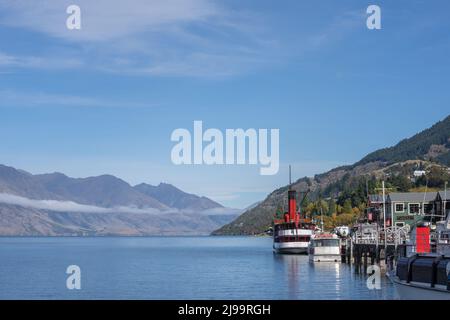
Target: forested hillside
(340,194)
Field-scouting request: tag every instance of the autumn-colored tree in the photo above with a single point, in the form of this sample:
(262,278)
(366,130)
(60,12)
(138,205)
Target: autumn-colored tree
(331,207)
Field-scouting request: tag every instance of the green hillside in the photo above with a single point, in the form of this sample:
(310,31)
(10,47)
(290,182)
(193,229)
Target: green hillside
(417,147)
(341,192)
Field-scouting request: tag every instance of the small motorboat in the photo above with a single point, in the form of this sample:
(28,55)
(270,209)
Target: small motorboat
(324,247)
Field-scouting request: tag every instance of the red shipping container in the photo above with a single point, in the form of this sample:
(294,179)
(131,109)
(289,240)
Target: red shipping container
(422,240)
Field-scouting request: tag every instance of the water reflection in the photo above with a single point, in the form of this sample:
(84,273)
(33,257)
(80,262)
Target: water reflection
(219,268)
(295,271)
(324,280)
(328,276)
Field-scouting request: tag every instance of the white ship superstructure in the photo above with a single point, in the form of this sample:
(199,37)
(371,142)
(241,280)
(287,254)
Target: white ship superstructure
(292,233)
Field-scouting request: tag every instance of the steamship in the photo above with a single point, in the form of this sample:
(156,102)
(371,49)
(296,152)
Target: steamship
(292,232)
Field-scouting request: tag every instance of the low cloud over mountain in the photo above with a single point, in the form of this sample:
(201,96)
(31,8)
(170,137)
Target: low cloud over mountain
(60,205)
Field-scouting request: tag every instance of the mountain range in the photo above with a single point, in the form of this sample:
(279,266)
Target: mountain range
(55,204)
(429,148)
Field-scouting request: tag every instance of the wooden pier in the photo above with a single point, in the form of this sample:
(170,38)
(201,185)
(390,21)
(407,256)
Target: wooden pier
(370,248)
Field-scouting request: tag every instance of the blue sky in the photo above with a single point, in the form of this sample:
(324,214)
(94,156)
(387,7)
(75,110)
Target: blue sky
(106,98)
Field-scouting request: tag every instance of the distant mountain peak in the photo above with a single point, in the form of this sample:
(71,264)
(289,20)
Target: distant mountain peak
(105,190)
(176,198)
(167,185)
(21,214)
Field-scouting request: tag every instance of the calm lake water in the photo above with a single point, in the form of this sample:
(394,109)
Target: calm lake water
(172,268)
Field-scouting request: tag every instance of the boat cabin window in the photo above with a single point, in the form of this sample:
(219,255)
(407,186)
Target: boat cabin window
(326,242)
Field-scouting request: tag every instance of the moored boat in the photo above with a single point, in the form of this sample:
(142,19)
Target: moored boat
(422,277)
(292,232)
(425,275)
(292,238)
(324,247)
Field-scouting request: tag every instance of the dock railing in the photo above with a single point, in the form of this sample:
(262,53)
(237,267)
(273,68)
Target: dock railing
(394,236)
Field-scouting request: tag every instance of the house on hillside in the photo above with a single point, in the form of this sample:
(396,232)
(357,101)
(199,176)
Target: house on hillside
(407,208)
(417,174)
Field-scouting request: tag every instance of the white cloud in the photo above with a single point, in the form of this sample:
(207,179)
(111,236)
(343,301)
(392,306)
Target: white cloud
(70,206)
(144,37)
(35,62)
(187,38)
(14,98)
(221,211)
(105,20)
(7,60)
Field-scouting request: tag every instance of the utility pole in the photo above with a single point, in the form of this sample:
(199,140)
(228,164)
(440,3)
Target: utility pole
(383,188)
(424,197)
(367,187)
(321,218)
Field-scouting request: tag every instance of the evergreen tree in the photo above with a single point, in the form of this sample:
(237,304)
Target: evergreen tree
(331,207)
(347,206)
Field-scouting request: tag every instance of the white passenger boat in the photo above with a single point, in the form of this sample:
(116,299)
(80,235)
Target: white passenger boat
(324,247)
(292,238)
(292,231)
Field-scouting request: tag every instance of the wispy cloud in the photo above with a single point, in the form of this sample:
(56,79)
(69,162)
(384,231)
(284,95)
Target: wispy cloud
(14,98)
(35,62)
(187,38)
(106,20)
(145,37)
(220,211)
(67,206)
(70,206)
